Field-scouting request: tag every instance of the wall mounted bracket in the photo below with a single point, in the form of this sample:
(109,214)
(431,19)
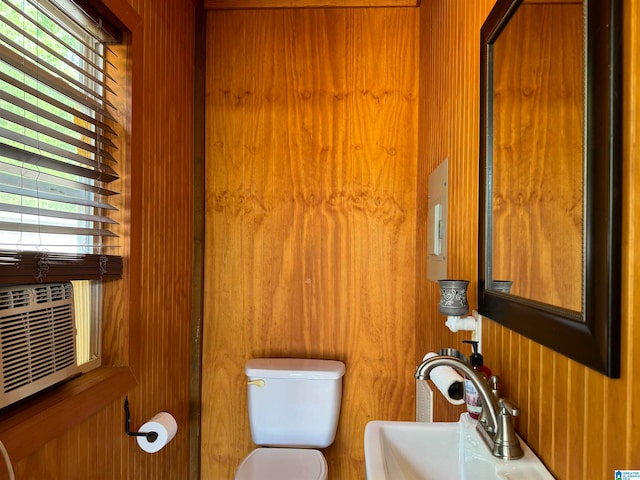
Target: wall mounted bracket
(471,323)
(151,436)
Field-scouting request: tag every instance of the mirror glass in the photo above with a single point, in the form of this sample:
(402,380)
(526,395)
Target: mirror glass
(537,192)
(550,175)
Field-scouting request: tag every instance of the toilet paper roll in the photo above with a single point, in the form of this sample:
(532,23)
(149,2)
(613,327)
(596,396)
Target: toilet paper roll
(448,381)
(164,425)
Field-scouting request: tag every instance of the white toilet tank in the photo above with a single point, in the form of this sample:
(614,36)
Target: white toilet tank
(294,402)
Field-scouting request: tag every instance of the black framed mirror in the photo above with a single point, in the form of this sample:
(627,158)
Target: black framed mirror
(550,175)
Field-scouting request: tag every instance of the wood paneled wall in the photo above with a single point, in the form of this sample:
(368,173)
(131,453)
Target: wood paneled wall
(159,269)
(448,128)
(582,424)
(310,213)
(251,4)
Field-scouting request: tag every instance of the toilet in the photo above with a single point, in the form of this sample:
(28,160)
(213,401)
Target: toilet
(294,406)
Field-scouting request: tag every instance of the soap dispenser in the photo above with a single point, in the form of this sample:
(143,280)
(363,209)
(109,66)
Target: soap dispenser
(472,397)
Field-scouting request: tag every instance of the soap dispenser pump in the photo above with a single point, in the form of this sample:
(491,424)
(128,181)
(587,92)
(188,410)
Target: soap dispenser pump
(472,398)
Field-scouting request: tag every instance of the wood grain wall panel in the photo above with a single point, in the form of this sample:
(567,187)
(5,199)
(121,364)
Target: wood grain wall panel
(311,165)
(269,4)
(582,424)
(163,178)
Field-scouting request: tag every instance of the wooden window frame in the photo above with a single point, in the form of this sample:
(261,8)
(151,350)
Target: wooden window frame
(30,425)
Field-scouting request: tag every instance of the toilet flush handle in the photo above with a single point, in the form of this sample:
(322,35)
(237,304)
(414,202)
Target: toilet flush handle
(258,383)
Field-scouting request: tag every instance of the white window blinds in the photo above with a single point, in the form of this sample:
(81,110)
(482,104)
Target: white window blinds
(57,170)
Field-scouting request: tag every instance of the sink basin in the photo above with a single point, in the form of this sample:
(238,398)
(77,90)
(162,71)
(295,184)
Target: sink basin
(442,451)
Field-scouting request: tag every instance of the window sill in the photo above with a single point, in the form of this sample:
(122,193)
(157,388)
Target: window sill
(29,426)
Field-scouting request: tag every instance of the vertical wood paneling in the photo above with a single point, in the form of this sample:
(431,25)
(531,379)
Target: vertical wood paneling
(631,239)
(582,424)
(162,174)
(449,123)
(311,165)
(258,4)
(167,183)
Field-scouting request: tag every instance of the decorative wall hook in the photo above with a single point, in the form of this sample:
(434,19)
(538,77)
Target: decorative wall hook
(151,436)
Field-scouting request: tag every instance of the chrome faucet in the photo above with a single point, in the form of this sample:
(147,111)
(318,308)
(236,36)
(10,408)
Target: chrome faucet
(497,432)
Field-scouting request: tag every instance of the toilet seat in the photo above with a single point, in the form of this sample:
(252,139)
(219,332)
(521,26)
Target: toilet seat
(283,464)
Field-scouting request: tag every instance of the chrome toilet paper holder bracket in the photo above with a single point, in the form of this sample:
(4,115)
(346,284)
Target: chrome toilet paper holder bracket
(151,436)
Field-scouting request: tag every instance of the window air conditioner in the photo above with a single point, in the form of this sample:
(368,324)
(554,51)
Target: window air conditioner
(37,338)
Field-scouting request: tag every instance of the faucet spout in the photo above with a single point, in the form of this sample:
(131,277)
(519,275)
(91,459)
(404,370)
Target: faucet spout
(489,402)
(498,433)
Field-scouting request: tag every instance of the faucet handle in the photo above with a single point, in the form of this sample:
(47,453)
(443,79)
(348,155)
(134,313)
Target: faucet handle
(507,407)
(506,443)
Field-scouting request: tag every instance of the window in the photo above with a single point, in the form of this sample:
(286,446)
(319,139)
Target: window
(44,417)
(58,168)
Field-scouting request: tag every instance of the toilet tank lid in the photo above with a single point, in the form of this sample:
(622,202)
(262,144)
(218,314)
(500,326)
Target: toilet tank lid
(307,368)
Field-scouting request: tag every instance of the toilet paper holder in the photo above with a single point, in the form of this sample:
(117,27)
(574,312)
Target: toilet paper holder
(151,436)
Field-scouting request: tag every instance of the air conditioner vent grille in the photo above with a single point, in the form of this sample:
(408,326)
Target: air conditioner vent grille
(37,338)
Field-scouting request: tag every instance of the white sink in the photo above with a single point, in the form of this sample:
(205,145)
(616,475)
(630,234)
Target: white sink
(442,451)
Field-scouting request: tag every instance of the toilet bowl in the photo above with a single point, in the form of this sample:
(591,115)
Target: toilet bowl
(294,406)
(283,464)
